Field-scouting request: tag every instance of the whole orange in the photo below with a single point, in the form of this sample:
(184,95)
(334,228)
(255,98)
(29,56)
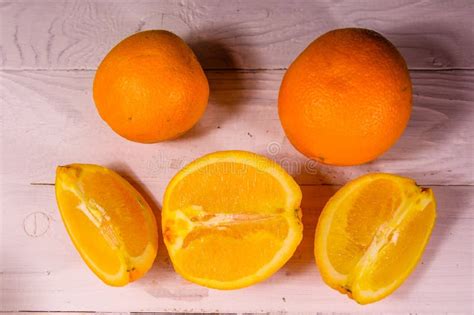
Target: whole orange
(346,98)
(151,87)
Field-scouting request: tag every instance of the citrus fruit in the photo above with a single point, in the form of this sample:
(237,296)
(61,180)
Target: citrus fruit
(372,233)
(346,98)
(151,87)
(109,222)
(231,219)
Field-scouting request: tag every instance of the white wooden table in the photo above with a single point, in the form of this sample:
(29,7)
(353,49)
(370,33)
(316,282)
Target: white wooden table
(49,51)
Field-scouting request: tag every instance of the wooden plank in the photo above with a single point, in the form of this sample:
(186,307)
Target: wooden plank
(69,313)
(243,34)
(42,271)
(49,118)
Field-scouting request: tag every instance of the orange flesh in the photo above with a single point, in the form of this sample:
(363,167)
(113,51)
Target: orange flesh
(109,222)
(372,233)
(225,222)
(241,249)
(372,206)
(224,188)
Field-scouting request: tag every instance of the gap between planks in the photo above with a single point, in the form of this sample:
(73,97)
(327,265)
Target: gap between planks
(305,185)
(222,69)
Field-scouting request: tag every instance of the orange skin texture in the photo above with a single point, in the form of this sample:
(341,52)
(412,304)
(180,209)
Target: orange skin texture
(151,87)
(347,98)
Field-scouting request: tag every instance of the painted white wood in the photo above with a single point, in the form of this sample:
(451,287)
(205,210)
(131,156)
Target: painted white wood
(230,34)
(49,118)
(42,271)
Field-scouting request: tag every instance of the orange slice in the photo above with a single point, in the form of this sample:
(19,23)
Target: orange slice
(231,219)
(372,233)
(109,222)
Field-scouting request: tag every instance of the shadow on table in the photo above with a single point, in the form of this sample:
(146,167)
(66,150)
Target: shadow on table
(437,107)
(126,172)
(315,198)
(155,280)
(452,207)
(431,118)
(436,123)
(222,61)
(424,45)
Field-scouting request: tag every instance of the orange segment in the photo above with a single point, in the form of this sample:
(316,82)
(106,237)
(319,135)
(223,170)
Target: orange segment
(89,236)
(109,222)
(397,259)
(231,219)
(361,214)
(372,233)
(239,179)
(260,239)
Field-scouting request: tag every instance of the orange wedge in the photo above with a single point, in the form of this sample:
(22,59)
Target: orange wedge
(372,233)
(109,222)
(231,219)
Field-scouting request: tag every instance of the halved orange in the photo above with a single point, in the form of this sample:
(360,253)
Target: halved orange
(372,233)
(231,219)
(109,222)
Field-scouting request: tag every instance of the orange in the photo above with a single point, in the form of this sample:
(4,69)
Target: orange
(151,87)
(231,219)
(109,222)
(372,233)
(346,98)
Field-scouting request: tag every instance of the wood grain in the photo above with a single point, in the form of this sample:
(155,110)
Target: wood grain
(46,273)
(48,53)
(49,118)
(243,34)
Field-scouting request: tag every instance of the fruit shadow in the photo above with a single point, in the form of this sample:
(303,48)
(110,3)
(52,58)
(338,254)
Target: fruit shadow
(156,281)
(439,119)
(315,198)
(222,62)
(126,172)
(452,206)
(436,118)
